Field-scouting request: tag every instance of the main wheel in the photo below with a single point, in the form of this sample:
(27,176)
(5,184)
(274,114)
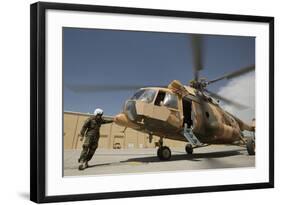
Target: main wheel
(251,146)
(189,149)
(164,153)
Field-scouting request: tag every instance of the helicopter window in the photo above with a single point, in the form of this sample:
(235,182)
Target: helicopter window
(171,101)
(148,96)
(144,95)
(137,95)
(160,98)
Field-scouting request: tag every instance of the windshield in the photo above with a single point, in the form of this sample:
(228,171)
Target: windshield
(137,95)
(145,95)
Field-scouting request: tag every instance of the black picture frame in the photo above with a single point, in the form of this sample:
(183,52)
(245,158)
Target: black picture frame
(38,101)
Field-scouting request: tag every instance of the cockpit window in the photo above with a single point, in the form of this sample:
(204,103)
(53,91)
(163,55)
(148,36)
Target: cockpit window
(171,101)
(137,95)
(145,95)
(148,96)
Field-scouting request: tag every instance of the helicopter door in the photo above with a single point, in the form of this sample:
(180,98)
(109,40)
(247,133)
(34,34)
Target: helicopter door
(166,102)
(187,109)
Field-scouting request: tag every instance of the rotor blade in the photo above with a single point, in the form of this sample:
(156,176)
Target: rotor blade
(196,43)
(234,74)
(87,88)
(228,101)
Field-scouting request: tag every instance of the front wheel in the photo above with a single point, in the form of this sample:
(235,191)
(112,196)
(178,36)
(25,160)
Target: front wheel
(251,146)
(164,153)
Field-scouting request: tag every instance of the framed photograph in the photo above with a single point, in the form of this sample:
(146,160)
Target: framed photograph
(129,102)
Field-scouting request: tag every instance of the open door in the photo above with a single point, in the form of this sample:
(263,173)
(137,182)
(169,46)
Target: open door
(187,110)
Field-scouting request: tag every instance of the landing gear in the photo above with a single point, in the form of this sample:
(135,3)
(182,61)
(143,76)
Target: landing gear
(150,136)
(251,146)
(189,149)
(164,153)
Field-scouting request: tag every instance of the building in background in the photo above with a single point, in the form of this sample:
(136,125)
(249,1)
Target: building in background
(112,136)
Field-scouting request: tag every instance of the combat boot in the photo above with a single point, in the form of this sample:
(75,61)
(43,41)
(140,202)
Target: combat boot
(82,166)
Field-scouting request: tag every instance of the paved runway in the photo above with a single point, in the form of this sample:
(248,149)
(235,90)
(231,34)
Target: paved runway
(145,160)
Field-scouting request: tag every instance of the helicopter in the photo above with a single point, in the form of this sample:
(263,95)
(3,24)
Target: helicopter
(189,113)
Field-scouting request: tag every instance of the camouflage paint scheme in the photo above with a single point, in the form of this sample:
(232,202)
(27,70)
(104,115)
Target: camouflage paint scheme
(211,124)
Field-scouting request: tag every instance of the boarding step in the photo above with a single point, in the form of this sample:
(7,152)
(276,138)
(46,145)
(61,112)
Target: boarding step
(191,138)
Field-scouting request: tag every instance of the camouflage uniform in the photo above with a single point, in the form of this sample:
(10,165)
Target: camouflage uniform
(91,128)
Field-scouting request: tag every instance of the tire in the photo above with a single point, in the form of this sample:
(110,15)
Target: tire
(189,149)
(251,146)
(159,153)
(164,153)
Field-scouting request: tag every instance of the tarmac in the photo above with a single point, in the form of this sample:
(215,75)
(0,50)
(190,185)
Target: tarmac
(109,161)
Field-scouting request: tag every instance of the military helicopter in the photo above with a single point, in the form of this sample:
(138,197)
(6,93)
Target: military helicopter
(188,113)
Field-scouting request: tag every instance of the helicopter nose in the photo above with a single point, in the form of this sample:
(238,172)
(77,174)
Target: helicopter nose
(130,110)
(121,119)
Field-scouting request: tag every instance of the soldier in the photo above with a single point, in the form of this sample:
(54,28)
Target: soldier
(91,131)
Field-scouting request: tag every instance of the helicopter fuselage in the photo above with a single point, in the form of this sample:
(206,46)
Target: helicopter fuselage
(165,111)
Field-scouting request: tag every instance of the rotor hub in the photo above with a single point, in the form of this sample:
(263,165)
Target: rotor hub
(201,84)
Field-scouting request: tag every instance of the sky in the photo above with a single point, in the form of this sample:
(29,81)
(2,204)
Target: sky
(111,57)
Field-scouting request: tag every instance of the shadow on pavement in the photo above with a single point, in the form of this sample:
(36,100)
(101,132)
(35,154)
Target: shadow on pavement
(197,157)
(193,157)
(94,165)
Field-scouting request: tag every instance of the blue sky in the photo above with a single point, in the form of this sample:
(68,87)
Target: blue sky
(110,57)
